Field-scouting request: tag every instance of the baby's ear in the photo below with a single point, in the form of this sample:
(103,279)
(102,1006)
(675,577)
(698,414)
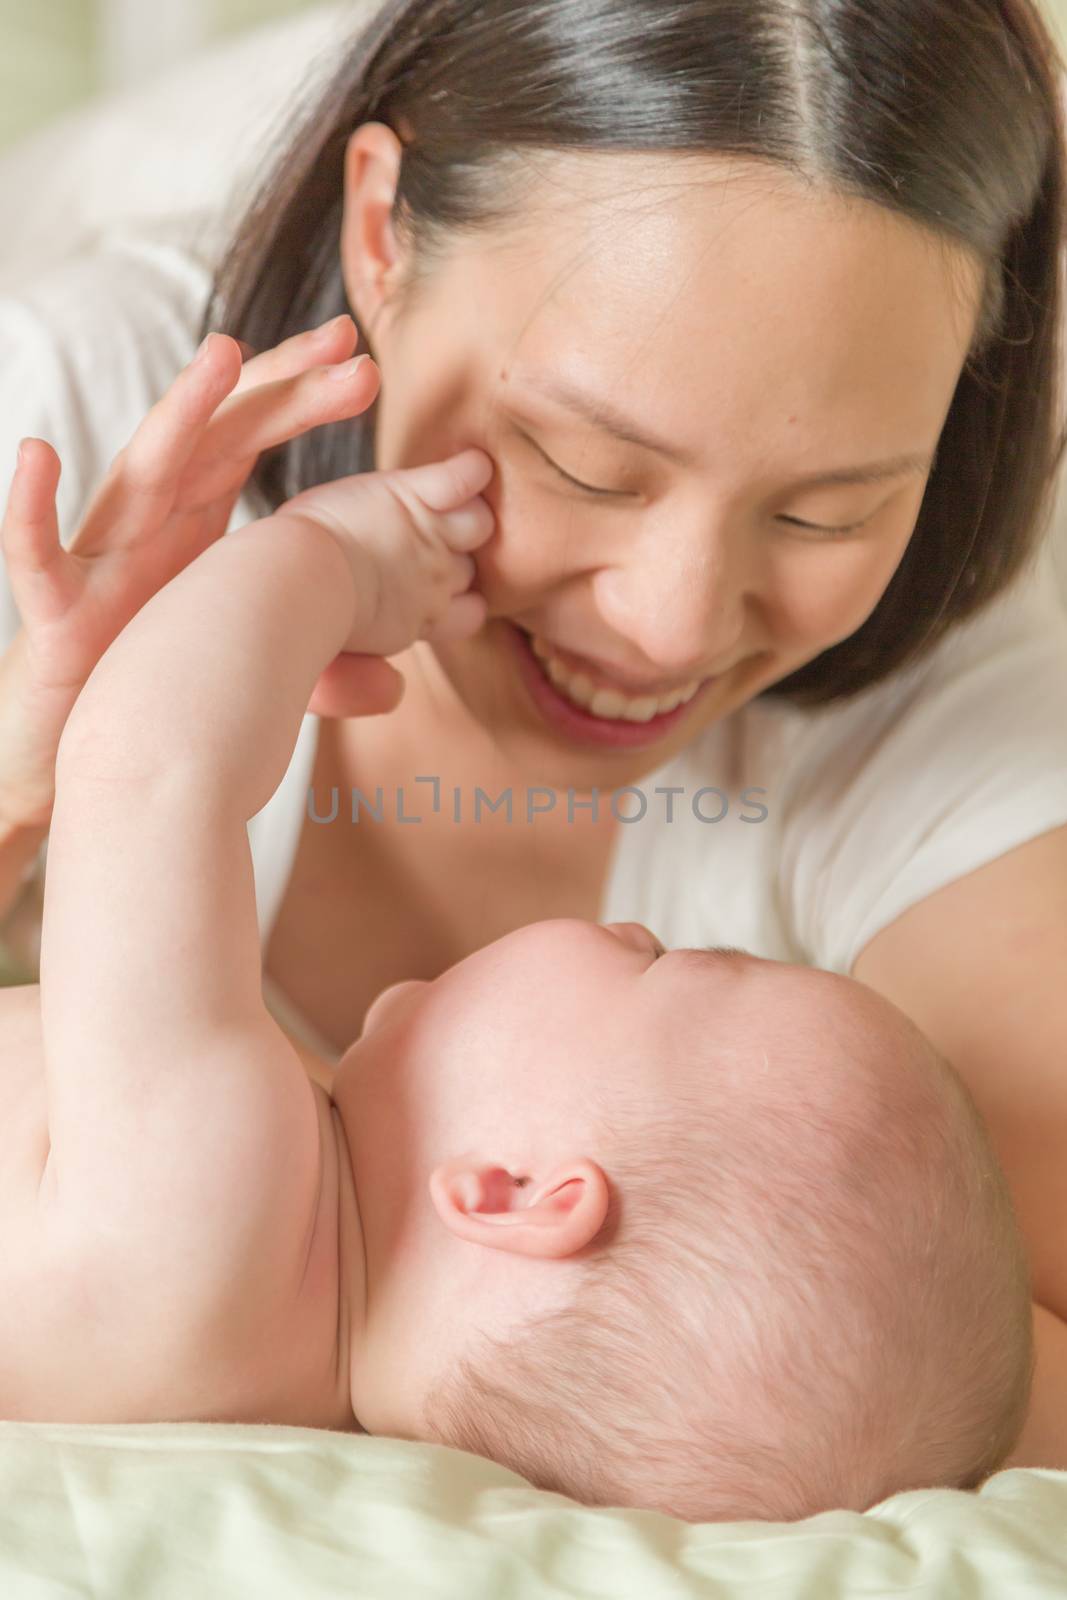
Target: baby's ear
(488,1205)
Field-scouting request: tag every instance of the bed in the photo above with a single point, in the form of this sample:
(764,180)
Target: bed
(186,1511)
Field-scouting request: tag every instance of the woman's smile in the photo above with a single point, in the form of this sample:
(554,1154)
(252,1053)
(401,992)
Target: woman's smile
(565,667)
(618,722)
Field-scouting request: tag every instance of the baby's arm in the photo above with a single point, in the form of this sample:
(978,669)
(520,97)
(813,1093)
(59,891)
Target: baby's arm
(173,1098)
(164,1072)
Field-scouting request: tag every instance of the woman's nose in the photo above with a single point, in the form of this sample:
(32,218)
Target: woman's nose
(679,606)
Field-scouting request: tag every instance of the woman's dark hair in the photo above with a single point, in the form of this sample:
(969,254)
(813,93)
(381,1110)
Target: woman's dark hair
(947,112)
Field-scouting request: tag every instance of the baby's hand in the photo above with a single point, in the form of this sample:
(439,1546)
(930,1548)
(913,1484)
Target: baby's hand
(407,533)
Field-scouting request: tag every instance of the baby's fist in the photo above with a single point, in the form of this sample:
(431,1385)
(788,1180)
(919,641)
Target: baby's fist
(407,533)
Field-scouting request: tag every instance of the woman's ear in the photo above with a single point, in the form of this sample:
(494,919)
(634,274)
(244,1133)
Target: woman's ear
(370,255)
(485,1204)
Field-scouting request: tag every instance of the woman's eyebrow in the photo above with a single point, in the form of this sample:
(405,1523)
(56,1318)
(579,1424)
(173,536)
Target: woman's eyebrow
(603,413)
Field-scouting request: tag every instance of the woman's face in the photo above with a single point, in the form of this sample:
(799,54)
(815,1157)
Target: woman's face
(764,334)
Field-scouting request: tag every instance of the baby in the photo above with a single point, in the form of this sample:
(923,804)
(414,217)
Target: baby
(688,1230)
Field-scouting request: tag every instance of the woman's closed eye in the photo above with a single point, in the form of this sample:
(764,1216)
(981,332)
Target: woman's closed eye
(815,527)
(586,488)
(624,494)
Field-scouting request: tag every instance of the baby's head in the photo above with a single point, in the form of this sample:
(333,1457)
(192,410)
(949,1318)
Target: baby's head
(693,1231)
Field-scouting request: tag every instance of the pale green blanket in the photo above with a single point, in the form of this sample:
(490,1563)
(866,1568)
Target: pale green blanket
(191,1511)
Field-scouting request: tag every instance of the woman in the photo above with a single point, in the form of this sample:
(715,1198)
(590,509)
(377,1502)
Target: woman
(779,569)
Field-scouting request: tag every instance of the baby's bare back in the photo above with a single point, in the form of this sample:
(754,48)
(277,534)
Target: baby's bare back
(23,1104)
(58,1318)
(33,1307)
(81,1338)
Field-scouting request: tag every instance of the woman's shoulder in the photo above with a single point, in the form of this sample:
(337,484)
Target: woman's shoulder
(927,776)
(1005,665)
(990,697)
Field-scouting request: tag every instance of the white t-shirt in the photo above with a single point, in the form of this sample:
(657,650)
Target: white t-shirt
(830,822)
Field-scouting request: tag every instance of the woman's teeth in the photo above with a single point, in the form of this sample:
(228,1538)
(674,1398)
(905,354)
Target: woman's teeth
(610,703)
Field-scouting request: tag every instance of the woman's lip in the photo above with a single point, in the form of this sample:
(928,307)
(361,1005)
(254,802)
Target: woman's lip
(581,726)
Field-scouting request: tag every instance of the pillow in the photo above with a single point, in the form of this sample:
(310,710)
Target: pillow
(175,145)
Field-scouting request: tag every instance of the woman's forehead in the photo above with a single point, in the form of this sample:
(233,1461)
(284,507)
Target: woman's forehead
(694,277)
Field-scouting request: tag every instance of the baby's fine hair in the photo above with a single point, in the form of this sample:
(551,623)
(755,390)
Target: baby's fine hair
(810,1292)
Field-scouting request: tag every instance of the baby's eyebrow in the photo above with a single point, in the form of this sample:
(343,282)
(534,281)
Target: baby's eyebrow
(700,954)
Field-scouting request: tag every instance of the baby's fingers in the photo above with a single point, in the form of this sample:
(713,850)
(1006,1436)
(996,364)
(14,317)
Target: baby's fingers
(446,485)
(37,568)
(464,617)
(470,526)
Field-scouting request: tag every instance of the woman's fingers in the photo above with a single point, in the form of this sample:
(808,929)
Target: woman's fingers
(269,415)
(30,528)
(142,485)
(37,567)
(249,422)
(333,342)
(167,437)
(199,417)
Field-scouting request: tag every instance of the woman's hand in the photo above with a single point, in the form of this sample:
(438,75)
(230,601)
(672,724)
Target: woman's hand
(168,495)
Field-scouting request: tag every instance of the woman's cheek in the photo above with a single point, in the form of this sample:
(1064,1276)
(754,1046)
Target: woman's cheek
(820,608)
